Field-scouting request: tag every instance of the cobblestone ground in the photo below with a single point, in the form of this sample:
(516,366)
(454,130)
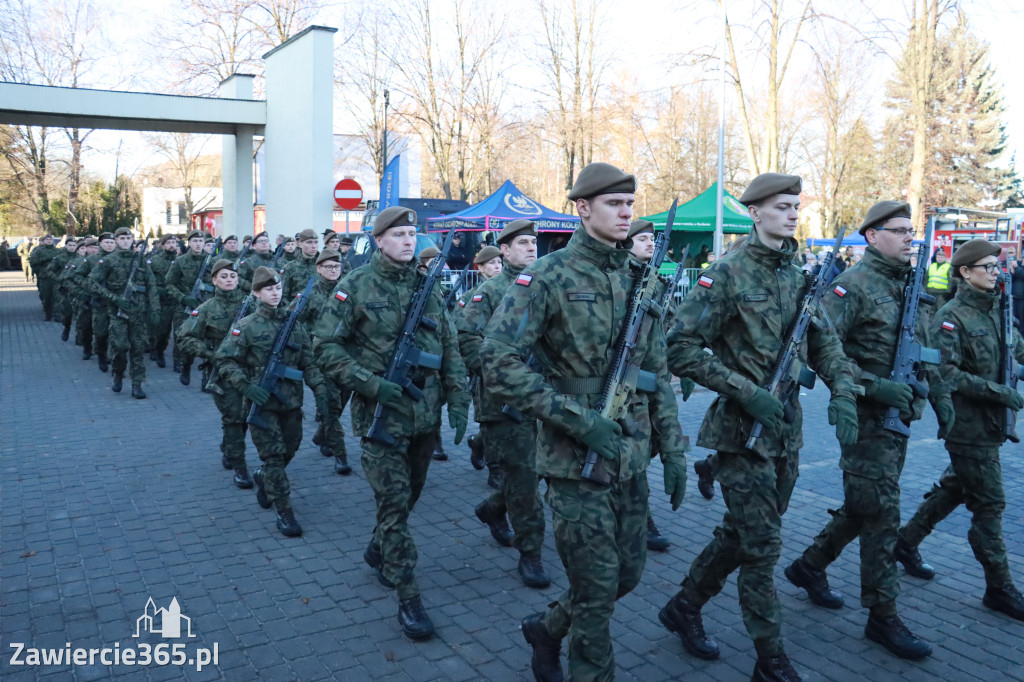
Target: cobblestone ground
(106,502)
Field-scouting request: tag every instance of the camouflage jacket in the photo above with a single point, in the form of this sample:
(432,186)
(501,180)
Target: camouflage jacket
(356,336)
(40,257)
(110,275)
(568,309)
(296,274)
(247,267)
(181,276)
(244,352)
(160,263)
(742,307)
(319,295)
(69,281)
(968,331)
(80,281)
(59,263)
(204,329)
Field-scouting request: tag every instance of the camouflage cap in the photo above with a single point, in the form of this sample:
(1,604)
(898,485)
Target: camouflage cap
(427,254)
(971,252)
(601,178)
(328,254)
(882,211)
(196,234)
(122,231)
(221,264)
(487,253)
(229,238)
(306,235)
(264,277)
(515,228)
(105,235)
(395,216)
(768,185)
(638,226)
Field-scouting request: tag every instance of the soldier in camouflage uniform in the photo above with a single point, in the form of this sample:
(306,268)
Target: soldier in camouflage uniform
(290,253)
(332,240)
(300,269)
(80,296)
(259,254)
(200,336)
(865,304)
(741,308)
(160,262)
(100,315)
(240,359)
(968,331)
(510,441)
(356,336)
(40,258)
(131,313)
(23,251)
(229,249)
(61,299)
(181,278)
(567,309)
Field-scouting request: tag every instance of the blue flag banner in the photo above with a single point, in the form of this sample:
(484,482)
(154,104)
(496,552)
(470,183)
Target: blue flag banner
(389,184)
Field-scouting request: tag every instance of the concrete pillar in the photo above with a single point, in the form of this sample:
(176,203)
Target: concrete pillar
(236,164)
(299,169)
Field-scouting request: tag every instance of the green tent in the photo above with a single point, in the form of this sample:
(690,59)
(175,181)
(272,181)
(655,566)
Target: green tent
(698,215)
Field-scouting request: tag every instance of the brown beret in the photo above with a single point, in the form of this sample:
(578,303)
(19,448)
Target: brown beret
(196,234)
(264,277)
(328,254)
(221,264)
(972,252)
(121,231)
(209,239)
(395,216)
(768,185)
(106,235)
(487,253)
(228,238)
(515,228)
(164,239)
(427,254)
(601,178)
(882,211)
(638,226)
(80,245)
(306,235)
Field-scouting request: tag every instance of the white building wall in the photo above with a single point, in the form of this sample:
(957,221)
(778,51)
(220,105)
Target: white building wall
(156,200)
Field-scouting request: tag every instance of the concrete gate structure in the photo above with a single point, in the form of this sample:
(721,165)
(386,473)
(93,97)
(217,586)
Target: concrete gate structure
(296,120)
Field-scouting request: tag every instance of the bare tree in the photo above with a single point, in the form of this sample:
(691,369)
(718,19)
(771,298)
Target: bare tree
(183,152)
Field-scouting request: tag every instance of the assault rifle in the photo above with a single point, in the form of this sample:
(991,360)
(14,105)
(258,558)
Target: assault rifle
(277,256)
(130,287)
(406,355)
(275,370)
(670,290)
(201,286)
(623,377)
(909,353)
(817,285)
(1007,365)
(453,293)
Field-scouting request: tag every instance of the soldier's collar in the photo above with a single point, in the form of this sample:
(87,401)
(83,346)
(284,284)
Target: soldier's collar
(874,258)
(583,245)
(510,270)
(976,298)
(392,269)
(764,253)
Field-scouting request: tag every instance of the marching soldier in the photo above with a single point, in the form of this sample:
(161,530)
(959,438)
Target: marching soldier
(180,280)
(332,240)
(510,442)
(160,262)
(229,248)
(356,335)
(301,268)
(40,258)
(567,309)
(59,274)
(741,309)
(968,331)
(100,310)
(865,305)
(23,251)
(258,255)
(240,359)
(290,253)
(81,296)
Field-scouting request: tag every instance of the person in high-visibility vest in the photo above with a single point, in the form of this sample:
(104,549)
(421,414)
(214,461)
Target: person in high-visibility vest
(937,283)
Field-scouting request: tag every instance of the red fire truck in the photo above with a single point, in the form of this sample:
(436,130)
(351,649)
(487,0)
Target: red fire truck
(954,226)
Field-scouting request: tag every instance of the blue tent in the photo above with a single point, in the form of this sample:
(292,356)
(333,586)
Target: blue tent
(501,208)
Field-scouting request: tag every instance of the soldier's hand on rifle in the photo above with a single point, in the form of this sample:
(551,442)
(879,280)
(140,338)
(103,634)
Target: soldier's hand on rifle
(390,395)
(686,386)
(121,302)
(603,436)
(764,407)
(190,301)
(842,414)
(458,418)
(1009,396)
(891,393)
(256,393)
(942,403)
(675,477)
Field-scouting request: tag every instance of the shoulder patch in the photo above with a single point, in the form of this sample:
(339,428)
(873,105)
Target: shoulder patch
(839,291)
(148,261)
(477,298)
(340,295)
(524,280)
(236,332)
(948,326)
(100,260)
(195,313)
(705,281)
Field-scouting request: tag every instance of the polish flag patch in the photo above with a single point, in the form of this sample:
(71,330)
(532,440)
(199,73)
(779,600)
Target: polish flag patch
(478,298)
(524,280)
(236,332)
(462,303)
(948,326)
(705,281)
(340,295)
(195,313)
(839,291)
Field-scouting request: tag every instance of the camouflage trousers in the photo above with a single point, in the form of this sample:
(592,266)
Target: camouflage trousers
(83,328)
(601,536)
(26,268)
(45,286)
(330,430)
(515,446)
(756,493)
(978,483)
(162,331)
(231,406)
(276,446)
(397,474)
(100,328)
(870,511)
(128,339)
(63,308)
(178,317)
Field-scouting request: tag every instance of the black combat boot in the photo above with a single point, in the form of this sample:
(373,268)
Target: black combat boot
(102,362)
(910,557)
(158,357)
(476,452)
(495,477)
(374,560)
(287,524)
(66,333)
(177,366)
(414,620)
(341,466)
(890,632)
(705,478)
(118,381)
(261,494)
(546,649)
(86,354)
(655,542)
(774,669)
(1007,600)
(325,449)
(815,582)
(439,454)
(683,618)
(242,478)
(137,391)
(531,570)
(225,462)
(500,530)
(186,374)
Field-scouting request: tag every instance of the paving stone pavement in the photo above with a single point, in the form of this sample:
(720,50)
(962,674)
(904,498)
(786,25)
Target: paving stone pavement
(106,502)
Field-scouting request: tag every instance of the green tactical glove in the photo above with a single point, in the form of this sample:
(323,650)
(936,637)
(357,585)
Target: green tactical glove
(191,301)
(891,393)
(391,395)
(1008,396)
(943,406)
(842,414)
(686,387)
(122,302)
(675,478)
(458,418)
(322,407)
(764,407)
(256,393)
(603,436)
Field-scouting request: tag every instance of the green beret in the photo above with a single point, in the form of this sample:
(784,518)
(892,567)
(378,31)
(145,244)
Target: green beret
(196,234)
(972,252)
(89,241)
(306,235)
(264,277)
(427,254)
(230,237)
(346,240)
(882,211)
(515,228)
(121,231)
(395,216)
(638,226)
(601,178)
(487,253)
(246,239)
(289,240)
(768,185)
(106,235)
(81,245)
(221,264)
(329,232)
(261,234)
(328,254)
